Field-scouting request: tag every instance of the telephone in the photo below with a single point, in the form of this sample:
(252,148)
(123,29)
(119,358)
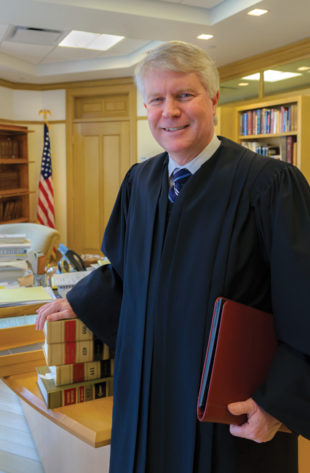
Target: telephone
(70,260)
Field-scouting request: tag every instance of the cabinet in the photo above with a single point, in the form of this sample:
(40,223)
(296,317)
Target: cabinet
(14,182)
(279,129)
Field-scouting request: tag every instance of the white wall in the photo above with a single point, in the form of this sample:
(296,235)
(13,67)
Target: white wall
(6,100)
(147,146)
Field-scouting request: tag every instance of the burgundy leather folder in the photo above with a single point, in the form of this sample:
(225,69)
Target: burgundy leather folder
(241,346)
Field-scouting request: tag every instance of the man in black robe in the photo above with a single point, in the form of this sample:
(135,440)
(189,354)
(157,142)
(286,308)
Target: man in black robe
(238,228)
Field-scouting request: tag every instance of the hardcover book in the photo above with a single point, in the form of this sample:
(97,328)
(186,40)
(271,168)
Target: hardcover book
(66,330)
(240,349)
(78,372)
(58,396)
(75,352)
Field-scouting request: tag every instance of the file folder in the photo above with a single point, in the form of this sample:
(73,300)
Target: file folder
(241,346)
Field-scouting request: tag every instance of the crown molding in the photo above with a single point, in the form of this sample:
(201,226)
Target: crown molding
(273,57)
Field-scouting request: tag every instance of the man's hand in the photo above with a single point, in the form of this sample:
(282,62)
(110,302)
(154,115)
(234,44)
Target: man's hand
(58,309)
(260,426)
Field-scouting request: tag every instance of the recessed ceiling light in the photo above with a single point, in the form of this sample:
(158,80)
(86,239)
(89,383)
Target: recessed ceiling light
(85,40)
(273,76)
(257,12)
(205,36)
(303,68)
(243,84)
(252,76)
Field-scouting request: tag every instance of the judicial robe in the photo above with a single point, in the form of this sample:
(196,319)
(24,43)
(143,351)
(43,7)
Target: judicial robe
(239,229)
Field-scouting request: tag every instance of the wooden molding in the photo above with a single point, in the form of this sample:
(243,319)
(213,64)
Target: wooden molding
(290,52)
(30,122)
(66,85)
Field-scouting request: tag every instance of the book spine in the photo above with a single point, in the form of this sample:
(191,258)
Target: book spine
(78,372)
(75,352)
(13,251)
(88,391)
(75,393)
(68,330)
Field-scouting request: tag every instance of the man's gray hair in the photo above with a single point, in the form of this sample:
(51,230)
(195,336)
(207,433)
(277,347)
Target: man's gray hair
(182,57)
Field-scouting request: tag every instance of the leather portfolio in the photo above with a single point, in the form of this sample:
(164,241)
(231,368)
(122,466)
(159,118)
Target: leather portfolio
(241,346)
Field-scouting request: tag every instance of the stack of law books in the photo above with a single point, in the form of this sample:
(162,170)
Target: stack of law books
(79,366)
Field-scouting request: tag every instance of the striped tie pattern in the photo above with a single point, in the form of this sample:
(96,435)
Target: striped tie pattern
(179,177)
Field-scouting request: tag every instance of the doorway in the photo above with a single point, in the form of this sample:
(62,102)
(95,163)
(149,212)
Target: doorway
(101,148)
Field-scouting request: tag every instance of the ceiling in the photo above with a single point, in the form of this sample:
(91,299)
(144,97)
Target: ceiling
(30,55)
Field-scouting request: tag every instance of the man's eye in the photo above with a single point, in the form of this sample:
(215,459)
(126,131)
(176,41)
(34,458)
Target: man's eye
(156,100)
(185,96)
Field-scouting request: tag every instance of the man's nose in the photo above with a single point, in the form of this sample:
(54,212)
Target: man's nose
(170,108)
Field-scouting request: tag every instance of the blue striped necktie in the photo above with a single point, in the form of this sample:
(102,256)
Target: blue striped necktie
(179,177)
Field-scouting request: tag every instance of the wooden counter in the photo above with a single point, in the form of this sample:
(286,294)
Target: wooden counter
(90,421)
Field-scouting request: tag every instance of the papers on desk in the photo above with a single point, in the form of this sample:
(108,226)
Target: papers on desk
(68,280)
(12,238)
(12,270)
(63,282)
(25,295)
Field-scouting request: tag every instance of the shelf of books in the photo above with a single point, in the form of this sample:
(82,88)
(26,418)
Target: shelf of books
(14,186)
(278,129)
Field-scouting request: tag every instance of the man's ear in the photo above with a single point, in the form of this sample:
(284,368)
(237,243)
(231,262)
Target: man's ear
(216,98)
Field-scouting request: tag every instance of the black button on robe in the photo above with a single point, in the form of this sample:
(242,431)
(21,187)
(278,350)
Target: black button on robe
(239,229)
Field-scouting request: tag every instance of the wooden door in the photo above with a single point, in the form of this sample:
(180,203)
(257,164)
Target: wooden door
(101,146)
(100,161)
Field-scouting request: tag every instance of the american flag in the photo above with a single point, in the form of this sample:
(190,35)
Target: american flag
(46,212)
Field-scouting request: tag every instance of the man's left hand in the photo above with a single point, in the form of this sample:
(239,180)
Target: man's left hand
(260,426)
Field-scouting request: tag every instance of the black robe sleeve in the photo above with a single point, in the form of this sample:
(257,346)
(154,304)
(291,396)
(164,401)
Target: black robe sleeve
(97,298)
(282,207)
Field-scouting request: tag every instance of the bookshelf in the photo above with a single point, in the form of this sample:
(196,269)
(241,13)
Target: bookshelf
(277,128)
(14,182)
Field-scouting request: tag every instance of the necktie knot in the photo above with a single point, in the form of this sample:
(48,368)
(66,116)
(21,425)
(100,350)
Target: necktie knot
(179,177)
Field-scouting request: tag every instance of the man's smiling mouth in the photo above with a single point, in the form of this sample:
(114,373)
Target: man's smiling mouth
(175,128)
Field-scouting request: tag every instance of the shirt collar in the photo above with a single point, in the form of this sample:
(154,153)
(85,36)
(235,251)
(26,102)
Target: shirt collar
(199,160)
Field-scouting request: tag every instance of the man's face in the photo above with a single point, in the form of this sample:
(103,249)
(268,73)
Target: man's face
(180,113)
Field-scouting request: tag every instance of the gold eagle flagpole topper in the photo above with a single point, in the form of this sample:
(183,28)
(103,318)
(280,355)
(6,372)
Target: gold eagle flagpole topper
(45,112)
